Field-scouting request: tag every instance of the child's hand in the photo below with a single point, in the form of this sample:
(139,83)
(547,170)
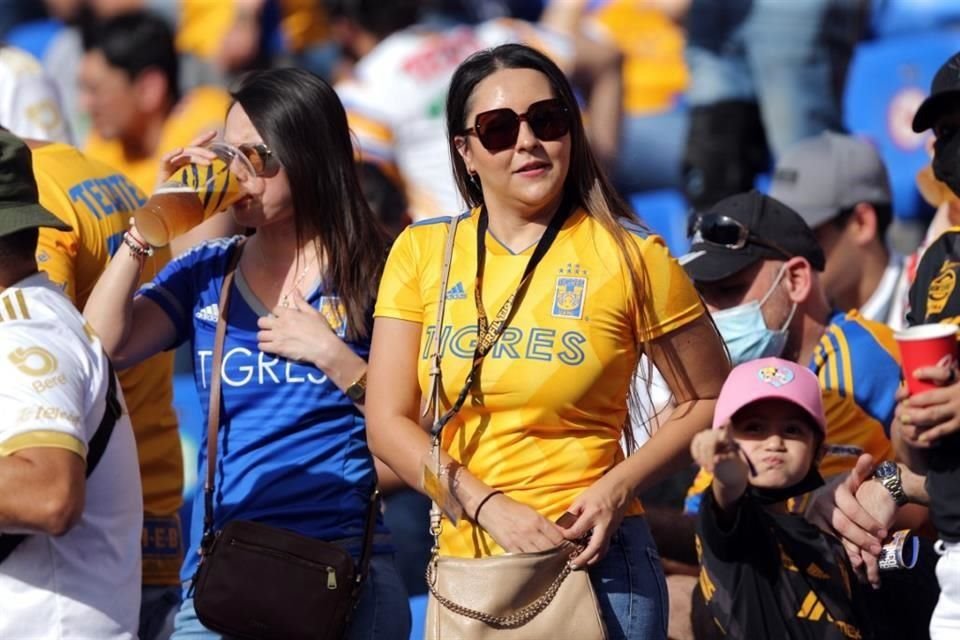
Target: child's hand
(717,453)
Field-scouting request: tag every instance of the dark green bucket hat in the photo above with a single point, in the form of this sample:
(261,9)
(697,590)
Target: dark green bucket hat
(19,200)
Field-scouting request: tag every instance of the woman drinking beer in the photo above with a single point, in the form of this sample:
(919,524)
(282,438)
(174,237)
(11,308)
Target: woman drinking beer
(291,450)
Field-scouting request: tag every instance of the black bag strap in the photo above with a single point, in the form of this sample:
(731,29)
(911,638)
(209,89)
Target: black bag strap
(213,427)
(95,450)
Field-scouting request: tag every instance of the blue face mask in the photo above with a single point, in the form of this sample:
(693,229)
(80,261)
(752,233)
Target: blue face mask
(745,332)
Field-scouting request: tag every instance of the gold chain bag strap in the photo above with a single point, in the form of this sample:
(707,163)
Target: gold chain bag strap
(260,582)
(515,596)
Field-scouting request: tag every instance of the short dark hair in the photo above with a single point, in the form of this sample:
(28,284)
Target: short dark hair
(134,42)
(884,214)
(19,246)
(303,121)
(376,16)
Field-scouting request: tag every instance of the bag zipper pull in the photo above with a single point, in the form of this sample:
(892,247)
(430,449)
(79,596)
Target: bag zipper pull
(331,579)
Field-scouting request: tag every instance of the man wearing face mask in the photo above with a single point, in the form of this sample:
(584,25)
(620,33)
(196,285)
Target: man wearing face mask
(756,263)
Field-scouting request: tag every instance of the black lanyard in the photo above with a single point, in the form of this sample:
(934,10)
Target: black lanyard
(488,333)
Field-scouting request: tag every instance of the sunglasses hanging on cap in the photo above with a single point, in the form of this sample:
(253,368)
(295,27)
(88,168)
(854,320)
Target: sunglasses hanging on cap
(723,231)
(499,129)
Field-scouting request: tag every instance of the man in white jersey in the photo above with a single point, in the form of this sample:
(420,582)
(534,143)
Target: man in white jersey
(30,103)
(70,500)
(395,98)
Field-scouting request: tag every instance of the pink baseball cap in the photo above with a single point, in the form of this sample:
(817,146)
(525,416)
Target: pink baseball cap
(770,378)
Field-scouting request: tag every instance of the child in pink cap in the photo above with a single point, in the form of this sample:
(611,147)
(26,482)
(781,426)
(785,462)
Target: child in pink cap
(766,573)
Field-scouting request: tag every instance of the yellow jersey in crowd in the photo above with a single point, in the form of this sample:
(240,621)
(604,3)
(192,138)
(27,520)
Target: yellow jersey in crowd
(545,417)
(654,71)
(202,109)
(97,201)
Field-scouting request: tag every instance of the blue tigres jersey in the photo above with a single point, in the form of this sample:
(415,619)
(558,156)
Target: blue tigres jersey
(292,450)
(858,368)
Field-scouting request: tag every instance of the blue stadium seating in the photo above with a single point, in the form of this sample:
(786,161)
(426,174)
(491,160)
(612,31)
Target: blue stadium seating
(665,212)
(901,17)
(887,81)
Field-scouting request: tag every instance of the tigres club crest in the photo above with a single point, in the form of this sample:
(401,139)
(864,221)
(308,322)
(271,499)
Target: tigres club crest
(569,295)
(941,287)
(335,313)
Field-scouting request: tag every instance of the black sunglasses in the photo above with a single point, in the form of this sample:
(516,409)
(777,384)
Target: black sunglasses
(264,163)
(498,129)
(724,231)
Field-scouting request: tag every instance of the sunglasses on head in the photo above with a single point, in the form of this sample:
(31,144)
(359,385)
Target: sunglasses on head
(723,231)
(499,129)
(264,163)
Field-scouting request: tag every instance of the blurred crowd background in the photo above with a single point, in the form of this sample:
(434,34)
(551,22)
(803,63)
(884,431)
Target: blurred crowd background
(687,101)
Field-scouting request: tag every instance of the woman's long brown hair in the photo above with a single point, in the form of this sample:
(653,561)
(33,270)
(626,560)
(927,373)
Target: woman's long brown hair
(303,122)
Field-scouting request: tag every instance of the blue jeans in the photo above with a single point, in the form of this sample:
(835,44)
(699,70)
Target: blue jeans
(630,585)
(158,605)
(789,56)
(383,612)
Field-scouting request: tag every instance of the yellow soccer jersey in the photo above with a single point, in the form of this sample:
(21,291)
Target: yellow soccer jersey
(97,201)
(545,417)
(202,109)
(858,366)
(654,71)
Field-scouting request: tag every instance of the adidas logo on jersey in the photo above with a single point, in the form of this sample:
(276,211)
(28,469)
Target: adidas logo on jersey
(210,313)
(457,292)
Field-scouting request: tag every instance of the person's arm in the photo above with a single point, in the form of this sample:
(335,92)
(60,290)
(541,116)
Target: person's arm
(908,449)
(598,70)
(219,225)
(694,364)
(42,489)
(717,453)
(131,329)
(42,439)
(396,437)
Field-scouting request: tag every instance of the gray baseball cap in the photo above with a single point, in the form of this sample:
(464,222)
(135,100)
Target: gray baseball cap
(820,176)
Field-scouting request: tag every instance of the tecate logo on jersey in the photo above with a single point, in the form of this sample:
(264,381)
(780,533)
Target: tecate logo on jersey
(242,367)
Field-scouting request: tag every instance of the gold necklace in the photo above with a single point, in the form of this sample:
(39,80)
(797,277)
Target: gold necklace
(285,297)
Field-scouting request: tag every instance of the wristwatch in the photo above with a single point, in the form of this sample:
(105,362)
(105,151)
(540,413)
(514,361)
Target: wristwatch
(358,389)
(888,473)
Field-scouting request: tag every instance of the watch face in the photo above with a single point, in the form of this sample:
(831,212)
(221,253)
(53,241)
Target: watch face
(886,468)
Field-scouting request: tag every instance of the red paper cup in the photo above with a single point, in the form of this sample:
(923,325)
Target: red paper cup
(926,345)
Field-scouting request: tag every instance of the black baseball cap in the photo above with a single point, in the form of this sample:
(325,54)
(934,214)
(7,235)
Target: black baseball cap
(770,230)
(944,95)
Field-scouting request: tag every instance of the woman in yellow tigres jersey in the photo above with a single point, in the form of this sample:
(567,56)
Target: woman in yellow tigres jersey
(556,291)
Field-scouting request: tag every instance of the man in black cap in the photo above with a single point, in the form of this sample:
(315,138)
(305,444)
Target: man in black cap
(756,263)
(70,501)
(941,112)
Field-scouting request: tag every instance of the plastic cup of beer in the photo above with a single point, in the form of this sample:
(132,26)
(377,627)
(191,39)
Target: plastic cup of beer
(926,345)
(192,194)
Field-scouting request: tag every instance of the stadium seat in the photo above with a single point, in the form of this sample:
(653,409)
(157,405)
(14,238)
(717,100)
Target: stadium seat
(665,212)
(900,17)
(888,80)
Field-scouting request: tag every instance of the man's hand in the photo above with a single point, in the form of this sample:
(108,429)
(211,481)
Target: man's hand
(927,417)
(835,509)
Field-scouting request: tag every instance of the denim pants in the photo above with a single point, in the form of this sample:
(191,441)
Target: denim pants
(789,56)
(383,612)
(630,585)
(158,605)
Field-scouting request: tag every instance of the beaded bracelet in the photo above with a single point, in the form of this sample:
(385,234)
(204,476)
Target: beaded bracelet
(138,248)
